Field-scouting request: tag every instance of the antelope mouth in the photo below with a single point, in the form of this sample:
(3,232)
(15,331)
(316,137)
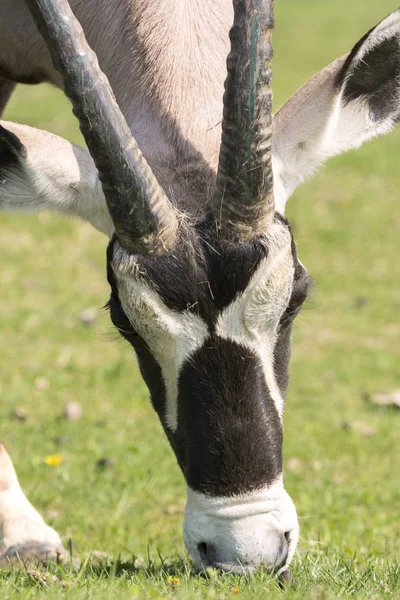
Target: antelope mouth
(283,573)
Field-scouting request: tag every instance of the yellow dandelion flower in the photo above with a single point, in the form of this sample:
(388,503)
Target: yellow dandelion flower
(235,589)
(53,460)
(174,581)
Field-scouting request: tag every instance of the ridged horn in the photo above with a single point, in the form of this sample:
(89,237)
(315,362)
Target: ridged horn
(144,219)
(244,201)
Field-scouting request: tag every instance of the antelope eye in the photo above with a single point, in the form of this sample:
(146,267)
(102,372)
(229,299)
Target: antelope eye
(296,302)
(293,310)
(119,319)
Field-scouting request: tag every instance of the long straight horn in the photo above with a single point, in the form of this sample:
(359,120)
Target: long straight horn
(144,219)
(244,202)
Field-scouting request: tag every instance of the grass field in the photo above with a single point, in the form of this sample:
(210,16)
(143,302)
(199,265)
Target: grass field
(341,453)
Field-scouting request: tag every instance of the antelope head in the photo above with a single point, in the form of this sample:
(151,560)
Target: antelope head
(208,303)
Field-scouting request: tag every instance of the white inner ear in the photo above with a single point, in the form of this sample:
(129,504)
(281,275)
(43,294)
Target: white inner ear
(57,176)
(350,126)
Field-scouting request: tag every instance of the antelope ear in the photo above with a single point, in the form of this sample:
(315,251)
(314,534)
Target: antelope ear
(354,99)
(41,171)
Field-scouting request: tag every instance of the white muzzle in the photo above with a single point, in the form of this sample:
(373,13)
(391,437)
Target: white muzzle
(241,533)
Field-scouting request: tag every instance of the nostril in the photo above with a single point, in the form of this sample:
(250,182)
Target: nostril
(202,548)
(284,550)
(208,553)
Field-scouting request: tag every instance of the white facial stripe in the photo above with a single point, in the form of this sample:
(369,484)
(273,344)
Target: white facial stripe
(252,318)
(171,336)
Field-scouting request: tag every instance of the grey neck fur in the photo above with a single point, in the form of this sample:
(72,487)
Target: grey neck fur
(165,62)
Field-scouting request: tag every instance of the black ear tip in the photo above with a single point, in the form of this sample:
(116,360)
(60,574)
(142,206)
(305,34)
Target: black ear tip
(11,148)
(387,41)
(371,71)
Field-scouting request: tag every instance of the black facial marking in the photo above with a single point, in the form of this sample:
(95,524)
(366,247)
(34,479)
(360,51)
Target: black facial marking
(376,78)
(231,271)
(198,277)
(229,436)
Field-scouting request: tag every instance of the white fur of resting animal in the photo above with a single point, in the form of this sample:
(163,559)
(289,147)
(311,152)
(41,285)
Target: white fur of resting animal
(20,523)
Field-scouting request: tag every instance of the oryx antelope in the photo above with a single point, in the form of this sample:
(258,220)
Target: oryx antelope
(204,275)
